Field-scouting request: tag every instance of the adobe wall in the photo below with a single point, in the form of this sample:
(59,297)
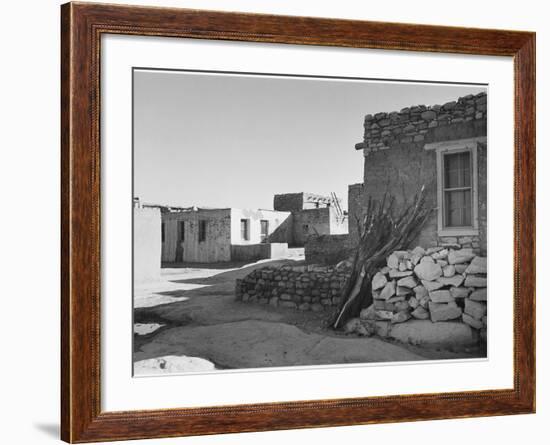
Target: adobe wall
(327,249)
(288,202)
(147,251)
(310,222)
(294,202)
(217,244)
(280,228)
(396,162)
(254,252)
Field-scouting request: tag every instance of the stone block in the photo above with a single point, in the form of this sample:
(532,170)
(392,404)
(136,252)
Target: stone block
(379,281)
(479,294)
(402,291)
(455,280)
(384,315)
(428,271)
(444,311)
(441,296)
(432,285)
(400,317)
(474,308)
(408,281)
(471,321)
(388,291)
(460,256)
(394,273)
(420,291)
(475,281)
(420,313)
(459,292)
(449,271)
(477,266)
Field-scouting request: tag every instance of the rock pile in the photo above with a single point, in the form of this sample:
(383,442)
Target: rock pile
(310,287)
(437,284)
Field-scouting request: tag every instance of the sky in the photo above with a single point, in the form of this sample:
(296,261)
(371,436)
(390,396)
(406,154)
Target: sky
(226,140)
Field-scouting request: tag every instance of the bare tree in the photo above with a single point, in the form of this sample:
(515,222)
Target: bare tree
(380,233)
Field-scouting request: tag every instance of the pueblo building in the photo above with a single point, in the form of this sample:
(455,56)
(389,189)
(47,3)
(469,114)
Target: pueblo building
(440,147)
(207,235)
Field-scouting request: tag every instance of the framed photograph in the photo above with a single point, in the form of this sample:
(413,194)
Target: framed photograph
(274,222)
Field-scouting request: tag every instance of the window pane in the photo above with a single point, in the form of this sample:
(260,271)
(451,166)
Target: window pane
(458,208)
(457,170)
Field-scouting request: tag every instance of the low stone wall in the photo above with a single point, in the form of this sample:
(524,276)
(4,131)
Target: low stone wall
(305,288)
(327,249)
(437,284)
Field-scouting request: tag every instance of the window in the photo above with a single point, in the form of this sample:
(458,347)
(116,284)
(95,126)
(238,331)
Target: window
(457,186)
(202,230)
(181,230)
(162,232)
(457,189)
(264,230)
(245,232)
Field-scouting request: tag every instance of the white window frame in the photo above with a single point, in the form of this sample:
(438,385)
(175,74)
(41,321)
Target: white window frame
(456,146)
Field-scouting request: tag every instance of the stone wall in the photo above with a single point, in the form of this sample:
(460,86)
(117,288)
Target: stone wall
(424,124)
(327,249)
(305,288)
(437,284)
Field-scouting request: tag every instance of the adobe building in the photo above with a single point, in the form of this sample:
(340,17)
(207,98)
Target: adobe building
(147,246)
(206,235)
(312,215)
(441,147)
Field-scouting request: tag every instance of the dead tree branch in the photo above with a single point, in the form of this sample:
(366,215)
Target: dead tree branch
(380,233)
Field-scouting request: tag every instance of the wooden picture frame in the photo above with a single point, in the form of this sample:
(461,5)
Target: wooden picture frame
(82,26)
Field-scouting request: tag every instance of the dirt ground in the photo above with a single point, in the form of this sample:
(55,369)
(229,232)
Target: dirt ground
(190,321)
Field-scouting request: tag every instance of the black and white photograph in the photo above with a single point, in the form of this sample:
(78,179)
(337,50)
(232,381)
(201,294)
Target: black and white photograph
(291,221)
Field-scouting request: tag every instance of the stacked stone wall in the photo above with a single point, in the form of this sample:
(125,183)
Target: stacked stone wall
(437,284)
(311,287)
(421,123)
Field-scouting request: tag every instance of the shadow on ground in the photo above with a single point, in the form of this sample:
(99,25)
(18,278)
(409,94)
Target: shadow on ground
(206,322)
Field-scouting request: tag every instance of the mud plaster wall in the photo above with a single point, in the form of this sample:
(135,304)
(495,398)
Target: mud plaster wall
(403,168)
(310,222)
(279,227)
(147,251)
(327,249)
(216,246)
